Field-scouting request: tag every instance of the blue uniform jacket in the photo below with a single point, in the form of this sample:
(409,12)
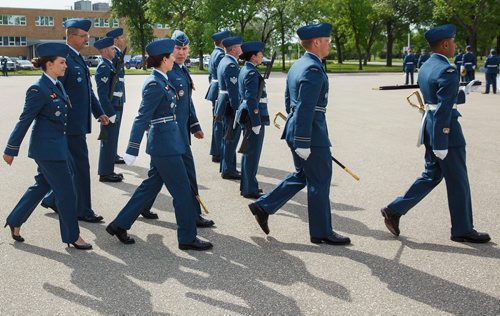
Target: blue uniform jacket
(48,107)
(306,98)
(227,75)
(121,82)
(469,60)
(103,76)
(438,80)
(491,64)
(76,81)
(256,109)
(409,62)
(185,111)
(422,59)
(458,61)
(213,64)
(158,101)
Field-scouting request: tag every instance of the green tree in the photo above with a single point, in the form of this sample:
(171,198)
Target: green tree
(139,25)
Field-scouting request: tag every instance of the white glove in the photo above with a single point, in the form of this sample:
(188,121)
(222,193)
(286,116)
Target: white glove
(470,87)
(256,129)
(441,154)
(129,159)
(303,152)
(112,119)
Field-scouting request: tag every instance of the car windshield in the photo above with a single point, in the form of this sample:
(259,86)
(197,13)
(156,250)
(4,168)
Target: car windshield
(24,62)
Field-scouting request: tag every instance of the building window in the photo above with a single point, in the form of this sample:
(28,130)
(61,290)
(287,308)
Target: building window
(13,41)
(44,21)
(161,26)
(12,20)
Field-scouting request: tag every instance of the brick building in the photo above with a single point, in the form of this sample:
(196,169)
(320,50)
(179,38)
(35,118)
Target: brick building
(22,29)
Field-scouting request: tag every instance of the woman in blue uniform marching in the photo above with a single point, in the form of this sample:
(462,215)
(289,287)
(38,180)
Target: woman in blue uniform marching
(166,147)
(252,115)
(47,104)
(185,115)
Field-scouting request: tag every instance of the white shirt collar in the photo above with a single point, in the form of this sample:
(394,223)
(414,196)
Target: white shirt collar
(235,59)
(446,58)
(118,48)
(53,81)
(77,52)
(163,74)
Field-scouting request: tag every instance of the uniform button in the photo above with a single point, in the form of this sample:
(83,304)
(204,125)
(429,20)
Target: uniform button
(65,124)
(64,133)
(65,114)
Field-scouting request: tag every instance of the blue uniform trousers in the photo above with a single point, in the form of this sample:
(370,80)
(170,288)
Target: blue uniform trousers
(109,147)
(217,135)
(168,170)
(188,160)
(316,173)
(80,168)
(250,163)
(53,175)
(409,74)
(454,171)
(491,79)
(228,159)
(469,76)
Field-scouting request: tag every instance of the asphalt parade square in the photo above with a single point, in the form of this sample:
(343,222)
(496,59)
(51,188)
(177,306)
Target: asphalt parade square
(374,133)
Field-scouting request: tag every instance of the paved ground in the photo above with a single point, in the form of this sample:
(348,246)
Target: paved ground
(373,132)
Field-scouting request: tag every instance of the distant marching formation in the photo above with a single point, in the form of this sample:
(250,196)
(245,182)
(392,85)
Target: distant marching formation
(62,101)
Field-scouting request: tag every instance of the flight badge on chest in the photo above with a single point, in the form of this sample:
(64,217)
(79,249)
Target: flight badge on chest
(53,96)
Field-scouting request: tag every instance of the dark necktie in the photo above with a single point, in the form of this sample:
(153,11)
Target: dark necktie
(61,89)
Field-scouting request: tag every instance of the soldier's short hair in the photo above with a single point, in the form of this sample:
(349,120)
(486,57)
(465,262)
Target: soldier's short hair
(71,31)
(218,42)
(307,44)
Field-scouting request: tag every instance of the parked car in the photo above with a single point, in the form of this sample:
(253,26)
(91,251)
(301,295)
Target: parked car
(266,61)
(11,66)
(193,61)
(135,61)
(92,60)
(24,65)
(206,59)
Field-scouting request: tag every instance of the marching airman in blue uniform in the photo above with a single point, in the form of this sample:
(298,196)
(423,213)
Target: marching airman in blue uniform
(78,85)
(47,104)
(306,133)
(424,56)
(104,77)
(409,65)
(187,120)
(252,115)
(444,142)
(458,61)
(491,71)
(228,102)
(166,147)
(120,44)
(5,71)
(213,92)
(470,63)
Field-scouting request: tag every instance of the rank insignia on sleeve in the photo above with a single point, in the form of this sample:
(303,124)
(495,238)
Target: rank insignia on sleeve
(104,79)
(53,95)
(233,80)
(446,130)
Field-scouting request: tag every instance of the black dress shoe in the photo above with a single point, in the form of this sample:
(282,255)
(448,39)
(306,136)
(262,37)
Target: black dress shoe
(118,175)
(15,237)
(85,246)
(149,215)
(335,239)
(391,220)
(216,159)
(91,218)
(111,178)
(197,244)
(260,215)
(203,222)
(253,195)
(54,208)
(120,233)
(231,176)
(474,237)
(119,161)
